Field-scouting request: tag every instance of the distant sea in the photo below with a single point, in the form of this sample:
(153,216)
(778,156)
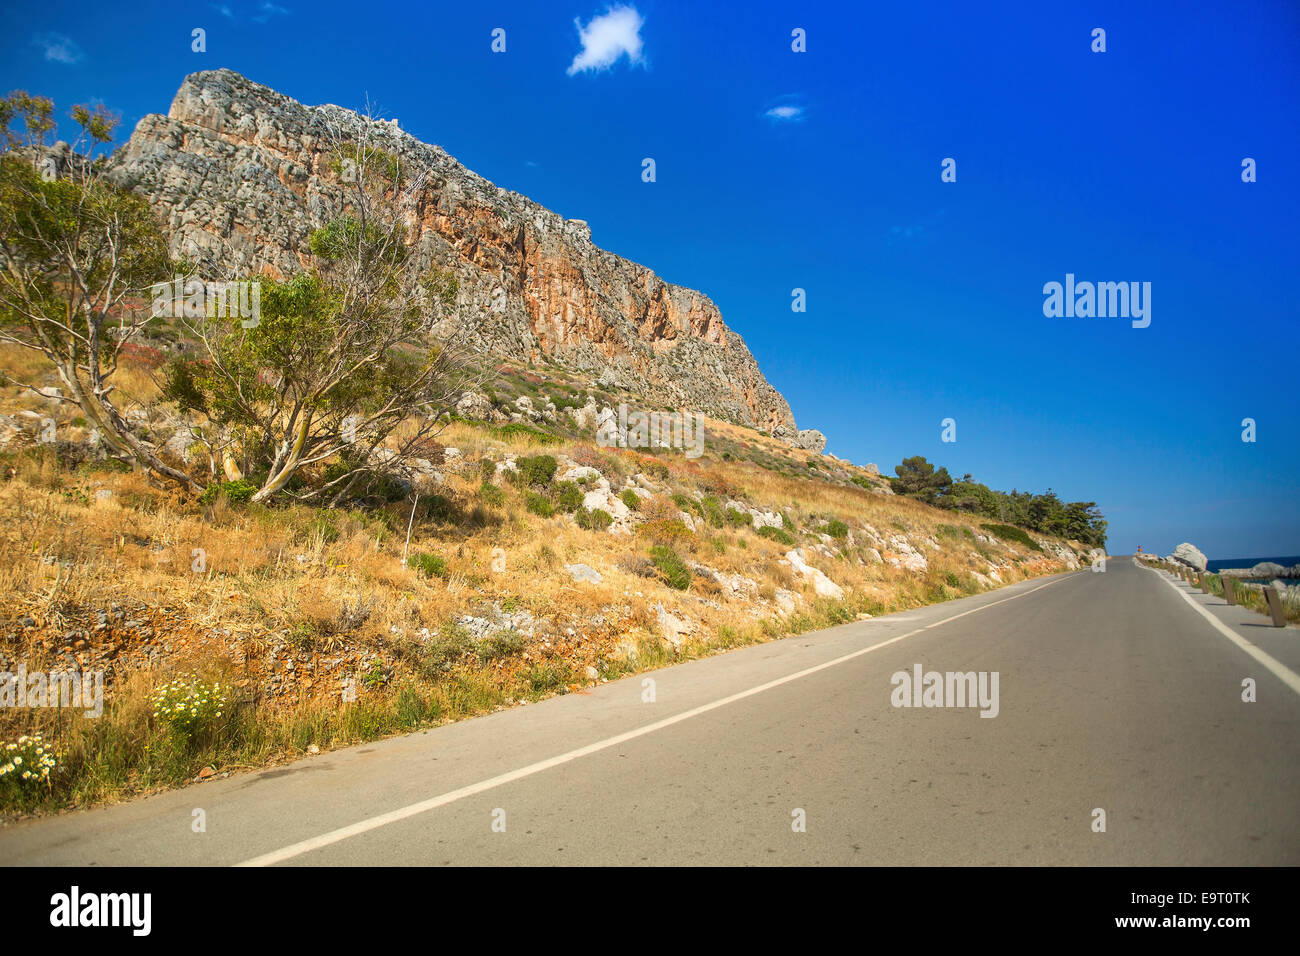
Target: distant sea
(1251,562)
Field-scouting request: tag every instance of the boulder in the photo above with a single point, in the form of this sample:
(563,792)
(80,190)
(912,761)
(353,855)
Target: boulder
(810,439)
(583,572)
(823,585)
(1189,555)
(673,628)
(474,406)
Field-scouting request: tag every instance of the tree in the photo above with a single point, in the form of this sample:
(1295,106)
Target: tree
(341,365)
(917,478)
(75,252)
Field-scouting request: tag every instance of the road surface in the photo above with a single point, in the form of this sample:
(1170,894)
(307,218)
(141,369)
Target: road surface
(1115,693)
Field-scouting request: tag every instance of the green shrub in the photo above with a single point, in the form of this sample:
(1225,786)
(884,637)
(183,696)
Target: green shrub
(499,645)
(491,494)
(539,504)
(712,511)
(1009,533)
(779,535)
(737,518)
(25,768)
(187,704)
(568,496)
(430,565)
(536,471)
(861,481)
(836,528)
(441,509)
(445,650)
(487,469)
(236,492)
(630,498)
(520,430)
(598,519)
(671,566)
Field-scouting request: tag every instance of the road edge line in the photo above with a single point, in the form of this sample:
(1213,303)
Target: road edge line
(1271,663)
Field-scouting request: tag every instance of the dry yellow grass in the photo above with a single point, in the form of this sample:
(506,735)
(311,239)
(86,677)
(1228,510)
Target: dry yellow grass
(242,591)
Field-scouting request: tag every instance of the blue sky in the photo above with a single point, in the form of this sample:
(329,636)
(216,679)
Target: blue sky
(821,170)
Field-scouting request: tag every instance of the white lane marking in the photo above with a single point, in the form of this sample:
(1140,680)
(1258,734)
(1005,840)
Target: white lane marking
(1276,667)
(374,823)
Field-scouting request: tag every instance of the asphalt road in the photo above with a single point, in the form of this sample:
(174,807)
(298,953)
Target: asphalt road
(1115,693)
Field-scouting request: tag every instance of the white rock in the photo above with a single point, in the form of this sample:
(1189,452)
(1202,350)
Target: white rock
(823,585)
(672,627)
(583,572)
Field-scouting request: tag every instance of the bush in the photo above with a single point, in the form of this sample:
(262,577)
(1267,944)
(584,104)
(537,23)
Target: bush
(188,704)
(630,498)
(836,528)
(441,509)
(430,565)
(499,645)
(779,535)
(568,496)
(674,570)
(598,519)
(687,503)
(712,511)
(487,469)
(536,471)
(491,494)
(236,492)
(539,504)
(861,481)
(520,430)
(26,763)
(665,530)
(737,518)
(1009,533)
(445,650)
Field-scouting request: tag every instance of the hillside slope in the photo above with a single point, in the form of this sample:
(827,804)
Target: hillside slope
(537,562)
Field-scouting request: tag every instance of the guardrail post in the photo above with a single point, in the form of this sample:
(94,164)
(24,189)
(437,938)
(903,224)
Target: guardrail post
(1229,594)
(1205,583)
(1275,605)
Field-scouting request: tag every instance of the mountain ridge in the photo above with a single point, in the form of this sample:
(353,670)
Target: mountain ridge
(241,174)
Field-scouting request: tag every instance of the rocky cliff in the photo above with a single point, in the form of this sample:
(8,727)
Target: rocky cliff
(242,174)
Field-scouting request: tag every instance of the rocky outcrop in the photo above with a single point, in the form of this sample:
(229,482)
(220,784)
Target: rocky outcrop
(811,440)
(1189,555)
(242,174)
(1263,571)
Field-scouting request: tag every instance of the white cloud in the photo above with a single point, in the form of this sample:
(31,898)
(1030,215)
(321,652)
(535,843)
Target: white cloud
(224,10)
(785,112)
(267,10)
(607,37)
(59,48)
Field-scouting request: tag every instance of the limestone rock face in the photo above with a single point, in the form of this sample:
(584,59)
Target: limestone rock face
(241,175)
(1189,555)
(811,439)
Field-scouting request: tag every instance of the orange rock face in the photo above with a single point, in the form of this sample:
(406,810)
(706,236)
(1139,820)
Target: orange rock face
(241,175)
